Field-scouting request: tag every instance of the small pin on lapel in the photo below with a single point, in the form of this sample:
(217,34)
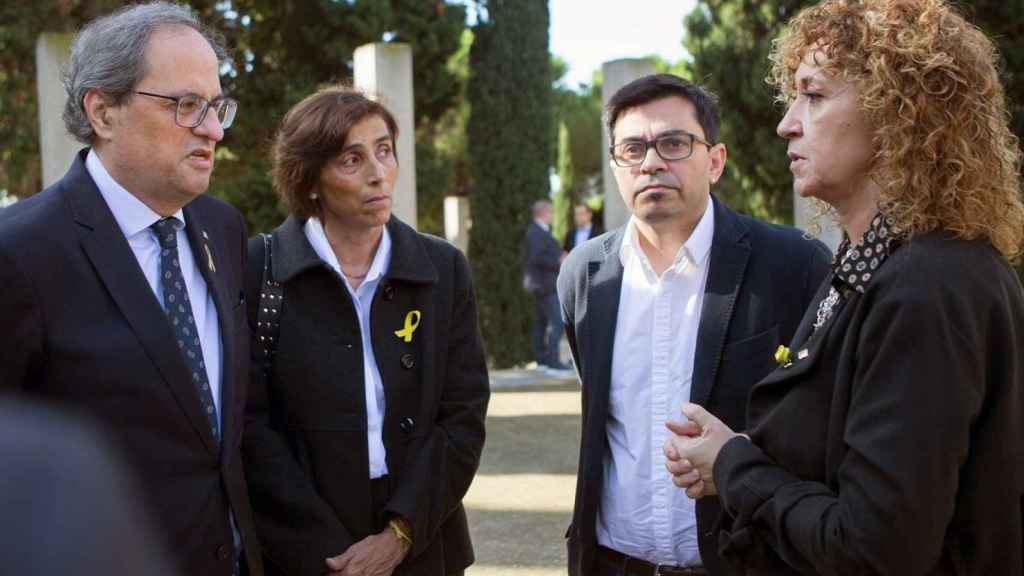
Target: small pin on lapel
(209,258)
(801,354)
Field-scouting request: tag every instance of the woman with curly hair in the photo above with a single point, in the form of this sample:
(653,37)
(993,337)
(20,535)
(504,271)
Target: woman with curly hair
(890,440)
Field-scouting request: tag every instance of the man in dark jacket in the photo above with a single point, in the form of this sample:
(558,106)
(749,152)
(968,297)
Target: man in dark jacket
(123,282)
(541,260)
(584,227)
(687,302)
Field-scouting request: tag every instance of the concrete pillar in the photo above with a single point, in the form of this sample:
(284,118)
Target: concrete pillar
(457,222)
(384,72)
(617,74)
(56,147)
(804,209)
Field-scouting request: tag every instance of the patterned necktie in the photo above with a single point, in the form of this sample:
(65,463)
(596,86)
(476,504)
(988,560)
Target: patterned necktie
(179,313)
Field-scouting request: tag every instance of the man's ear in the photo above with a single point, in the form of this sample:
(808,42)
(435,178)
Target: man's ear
(102,113)
(718,154)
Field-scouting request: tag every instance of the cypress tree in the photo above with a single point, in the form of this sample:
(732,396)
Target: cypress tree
(509,137)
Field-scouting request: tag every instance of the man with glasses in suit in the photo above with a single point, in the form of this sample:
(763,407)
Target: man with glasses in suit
(687,302)
(123,281)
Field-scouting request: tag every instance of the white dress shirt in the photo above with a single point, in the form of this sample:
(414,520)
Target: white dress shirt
(582,235)
(363,298)
(641,512)
(134,219)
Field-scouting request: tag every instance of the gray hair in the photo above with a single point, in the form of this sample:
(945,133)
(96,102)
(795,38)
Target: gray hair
(109,55)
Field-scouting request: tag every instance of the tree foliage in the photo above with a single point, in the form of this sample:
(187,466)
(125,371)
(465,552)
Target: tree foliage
(509,150)
(281,52)
(580,151)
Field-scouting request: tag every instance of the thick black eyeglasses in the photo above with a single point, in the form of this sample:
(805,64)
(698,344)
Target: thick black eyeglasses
(192,109)
(674,146)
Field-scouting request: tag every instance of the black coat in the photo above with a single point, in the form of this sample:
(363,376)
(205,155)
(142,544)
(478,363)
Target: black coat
(541,260)
(83,329)
(306,444)
(895,444)
(761,278)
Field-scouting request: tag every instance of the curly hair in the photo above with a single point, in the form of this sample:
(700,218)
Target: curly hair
(928,84)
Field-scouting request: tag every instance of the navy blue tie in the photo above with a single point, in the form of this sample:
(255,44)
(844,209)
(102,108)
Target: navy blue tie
(179,313)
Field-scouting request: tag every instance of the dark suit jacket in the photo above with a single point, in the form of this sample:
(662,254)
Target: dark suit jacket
(761,278)
(83,329)
(570,238)
(895,446)
(541,260)
(306,446)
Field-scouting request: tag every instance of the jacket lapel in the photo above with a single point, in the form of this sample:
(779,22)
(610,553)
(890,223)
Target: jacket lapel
(730,251)
(596,337)
(115,264)
(207,250)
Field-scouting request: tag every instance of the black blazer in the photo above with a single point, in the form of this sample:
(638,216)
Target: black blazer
(895,443)
(541,260)
(305,445)
(761,278)
(83,329)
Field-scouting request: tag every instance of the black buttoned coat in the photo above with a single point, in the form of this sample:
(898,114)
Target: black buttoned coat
(894,442)
(305,446)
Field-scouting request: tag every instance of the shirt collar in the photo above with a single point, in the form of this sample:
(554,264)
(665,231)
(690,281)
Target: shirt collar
(130,213)
(543,225)
(854,265)
(314,230)
(695,250)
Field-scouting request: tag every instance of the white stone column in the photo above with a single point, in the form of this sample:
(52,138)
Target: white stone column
(617,74)
(457,222)
(804,210)
(56,147)
(384,72)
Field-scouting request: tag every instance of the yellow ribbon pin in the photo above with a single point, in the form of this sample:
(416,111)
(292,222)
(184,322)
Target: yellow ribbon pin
(412,322)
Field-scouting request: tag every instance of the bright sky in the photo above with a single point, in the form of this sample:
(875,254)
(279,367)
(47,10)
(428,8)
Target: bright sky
(588,33)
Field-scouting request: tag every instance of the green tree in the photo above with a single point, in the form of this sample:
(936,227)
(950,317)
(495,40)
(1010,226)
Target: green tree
(20,26)
(509,147)
(282,51)
(580,152)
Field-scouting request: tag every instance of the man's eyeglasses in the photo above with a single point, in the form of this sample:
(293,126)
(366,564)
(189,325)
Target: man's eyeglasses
(192,109)
(674,146)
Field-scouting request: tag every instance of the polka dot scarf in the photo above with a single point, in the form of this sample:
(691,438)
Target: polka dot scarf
(855,264)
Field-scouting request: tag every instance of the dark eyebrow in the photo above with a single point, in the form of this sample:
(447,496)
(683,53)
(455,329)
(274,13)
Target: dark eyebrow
(359,146)
(658,135)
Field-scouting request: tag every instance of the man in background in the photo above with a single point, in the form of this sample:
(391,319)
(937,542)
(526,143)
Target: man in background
(541,260)
(584,228)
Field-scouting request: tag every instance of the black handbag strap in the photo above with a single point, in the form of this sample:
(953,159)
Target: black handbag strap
(268,323)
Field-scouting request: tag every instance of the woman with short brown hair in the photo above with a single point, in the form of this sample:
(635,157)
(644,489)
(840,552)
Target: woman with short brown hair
(369,387)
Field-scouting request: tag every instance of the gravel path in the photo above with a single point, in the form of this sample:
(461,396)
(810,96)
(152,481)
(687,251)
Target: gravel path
(520,503)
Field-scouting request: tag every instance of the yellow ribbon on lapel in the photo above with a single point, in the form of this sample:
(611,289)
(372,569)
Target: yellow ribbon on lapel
(412,322)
